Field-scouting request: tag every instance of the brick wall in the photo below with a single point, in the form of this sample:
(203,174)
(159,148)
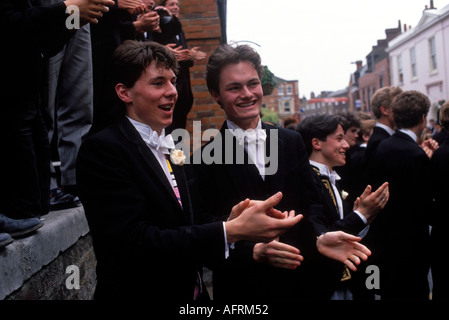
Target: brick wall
(201,25)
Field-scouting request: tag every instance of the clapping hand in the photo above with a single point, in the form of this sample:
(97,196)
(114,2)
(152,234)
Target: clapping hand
(343,247)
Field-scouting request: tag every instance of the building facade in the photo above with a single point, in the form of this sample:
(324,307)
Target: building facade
(327,102)
(284,99)
(376,73)
(419,58)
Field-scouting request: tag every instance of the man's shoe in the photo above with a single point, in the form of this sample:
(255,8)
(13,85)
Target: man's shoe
(20,227)
(60,200)
(5,239)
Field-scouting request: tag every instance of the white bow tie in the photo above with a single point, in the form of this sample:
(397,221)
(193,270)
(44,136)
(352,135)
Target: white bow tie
(252,136)
(161,143)
(334,177)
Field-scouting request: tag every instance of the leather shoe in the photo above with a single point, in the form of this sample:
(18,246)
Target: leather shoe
(5,239)
(60,200)
(19,227)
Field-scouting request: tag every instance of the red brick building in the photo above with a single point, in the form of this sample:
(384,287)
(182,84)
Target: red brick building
(376,73)
(204,28)
(284,99)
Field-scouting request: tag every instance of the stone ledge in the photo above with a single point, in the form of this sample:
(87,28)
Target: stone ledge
(23,258)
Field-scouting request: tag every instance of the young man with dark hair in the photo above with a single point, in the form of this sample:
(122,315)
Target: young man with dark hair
(326,146)
(275,159)
(136,198)
(405,220)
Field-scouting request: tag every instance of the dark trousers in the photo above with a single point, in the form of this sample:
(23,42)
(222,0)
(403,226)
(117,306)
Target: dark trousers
(25,170)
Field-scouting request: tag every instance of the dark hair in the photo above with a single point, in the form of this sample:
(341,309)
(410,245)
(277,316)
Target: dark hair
(444,115)
(131,58)
(348,120)
(164,2)
(409,107)
(317,126)
(383,97)
(227,54)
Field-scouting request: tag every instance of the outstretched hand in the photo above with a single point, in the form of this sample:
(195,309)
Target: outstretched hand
(277,254)
(260,221)
(343,247)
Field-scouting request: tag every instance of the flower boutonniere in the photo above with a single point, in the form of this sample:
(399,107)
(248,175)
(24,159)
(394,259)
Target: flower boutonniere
(344,194)
(177,157)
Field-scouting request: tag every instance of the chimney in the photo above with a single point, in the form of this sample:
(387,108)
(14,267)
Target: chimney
(359,64)
(431,6)
(405,27)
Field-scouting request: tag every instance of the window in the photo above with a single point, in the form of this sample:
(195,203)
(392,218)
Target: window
(433,54)
(400,71)
(286,106)
(281,90)
(413,62)
(289,89)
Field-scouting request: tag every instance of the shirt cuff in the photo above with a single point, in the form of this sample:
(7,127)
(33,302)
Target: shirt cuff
(226,242)
(361,217)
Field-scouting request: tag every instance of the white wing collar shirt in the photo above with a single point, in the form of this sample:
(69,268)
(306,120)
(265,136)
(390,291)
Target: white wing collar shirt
(253,142)
(159,145)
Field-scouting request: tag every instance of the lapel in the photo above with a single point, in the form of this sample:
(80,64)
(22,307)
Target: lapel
(131,134)
(275,182)
(327,192)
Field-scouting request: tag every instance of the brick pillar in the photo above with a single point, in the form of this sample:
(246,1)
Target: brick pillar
(201,25)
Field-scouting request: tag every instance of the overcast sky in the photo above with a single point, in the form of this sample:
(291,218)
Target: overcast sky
(315,41)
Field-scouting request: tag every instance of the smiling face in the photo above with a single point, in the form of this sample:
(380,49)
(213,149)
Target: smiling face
(240,94)
(332,151)
(351,135)
(152,98)
(173,7)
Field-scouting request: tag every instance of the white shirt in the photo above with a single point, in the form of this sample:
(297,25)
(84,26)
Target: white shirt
(146,132)
(410,133)
(256,151)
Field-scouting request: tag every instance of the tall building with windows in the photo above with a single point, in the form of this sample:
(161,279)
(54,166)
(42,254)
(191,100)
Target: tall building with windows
(376,72)
(419,57)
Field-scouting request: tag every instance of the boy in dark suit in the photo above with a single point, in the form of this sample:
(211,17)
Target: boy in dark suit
(381,105)
(271,159)
(136,198)
(325,142)
(405,219)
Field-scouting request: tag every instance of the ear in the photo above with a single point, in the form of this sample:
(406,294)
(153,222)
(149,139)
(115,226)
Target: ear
(216,97)
(316,144)
(424,119)
(123,93)
(385,111)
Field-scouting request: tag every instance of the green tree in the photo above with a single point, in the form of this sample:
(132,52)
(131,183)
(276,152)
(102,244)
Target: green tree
(269,116)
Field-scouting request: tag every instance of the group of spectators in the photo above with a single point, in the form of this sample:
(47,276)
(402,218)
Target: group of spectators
(67,94)
(373,190)
(399,146)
